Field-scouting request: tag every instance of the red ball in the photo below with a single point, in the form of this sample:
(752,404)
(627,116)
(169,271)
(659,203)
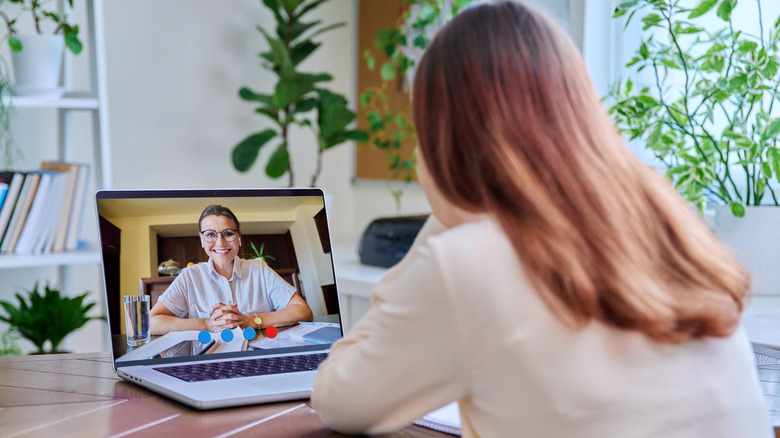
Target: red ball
(271,331)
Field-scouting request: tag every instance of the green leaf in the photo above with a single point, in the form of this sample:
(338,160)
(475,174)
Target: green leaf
(358,136)
(747,46)
(268,112)
(309,7)
(333,117)
(773,155)
(724,12)
(650,20)
(365,98)
(290,6)
(691,30)
(671,63)
(771,67)
(302,51)
(249,95)
(288,90)
(773,128)
(388,71)
(305,105)
(623,7)
(297,29)
(328,28)
(72,41)
(279,163)
(737,209)
(703,8)
(245,153)
(643,51)
(15,44)
(275,7)
(279,57)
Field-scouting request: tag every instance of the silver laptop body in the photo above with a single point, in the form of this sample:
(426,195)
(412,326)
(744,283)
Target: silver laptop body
(139,229)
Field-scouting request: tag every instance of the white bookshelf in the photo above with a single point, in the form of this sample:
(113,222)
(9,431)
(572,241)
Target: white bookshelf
(93,101)
(78,257)
(71,101)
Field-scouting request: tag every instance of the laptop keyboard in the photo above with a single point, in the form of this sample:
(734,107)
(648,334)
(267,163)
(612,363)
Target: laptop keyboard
(244,368)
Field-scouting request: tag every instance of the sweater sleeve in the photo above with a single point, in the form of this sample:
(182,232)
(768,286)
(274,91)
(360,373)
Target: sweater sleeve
(402,360)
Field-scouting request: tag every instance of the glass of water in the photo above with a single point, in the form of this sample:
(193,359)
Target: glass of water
(137,319)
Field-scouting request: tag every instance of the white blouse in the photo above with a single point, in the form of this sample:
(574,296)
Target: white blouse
(254,287)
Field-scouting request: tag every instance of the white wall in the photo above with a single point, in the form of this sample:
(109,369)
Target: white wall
(174,68)
(175,112)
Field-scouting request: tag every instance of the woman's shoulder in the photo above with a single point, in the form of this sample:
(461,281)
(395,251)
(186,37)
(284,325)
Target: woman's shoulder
(251,265)
(482,234)
(195,270)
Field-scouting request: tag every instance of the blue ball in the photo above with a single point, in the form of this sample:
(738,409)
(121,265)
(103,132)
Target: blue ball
(227,335)
(204,337)
(249,333)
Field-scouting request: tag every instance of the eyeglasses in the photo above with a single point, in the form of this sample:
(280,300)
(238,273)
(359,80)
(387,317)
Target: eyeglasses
(228,235)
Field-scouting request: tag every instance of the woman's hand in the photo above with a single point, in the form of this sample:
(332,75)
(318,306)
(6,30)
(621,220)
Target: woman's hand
(224,316)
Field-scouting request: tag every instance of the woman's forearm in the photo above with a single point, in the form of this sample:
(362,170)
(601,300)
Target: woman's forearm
(162,324)
(292,314)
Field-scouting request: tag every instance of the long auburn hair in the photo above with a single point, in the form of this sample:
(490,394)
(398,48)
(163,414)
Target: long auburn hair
(508,123)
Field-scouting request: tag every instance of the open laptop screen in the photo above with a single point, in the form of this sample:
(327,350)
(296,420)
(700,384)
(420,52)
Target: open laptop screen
(149,237)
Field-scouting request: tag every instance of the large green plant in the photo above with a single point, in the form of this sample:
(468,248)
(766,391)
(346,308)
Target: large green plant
(39,16)
(709,113)
(295,94)
(50,316)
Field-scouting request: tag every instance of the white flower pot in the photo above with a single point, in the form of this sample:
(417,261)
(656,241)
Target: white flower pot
(755,242)
(38,66)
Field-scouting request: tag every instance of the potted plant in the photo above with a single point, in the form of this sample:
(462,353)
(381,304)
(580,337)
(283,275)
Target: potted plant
(295,96)
(709,115)
(37,57)
(258,253)
(50,316)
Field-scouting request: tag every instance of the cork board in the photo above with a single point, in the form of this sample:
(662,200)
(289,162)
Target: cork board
(375,15)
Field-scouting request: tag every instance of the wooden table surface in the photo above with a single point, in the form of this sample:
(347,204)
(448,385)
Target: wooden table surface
(80,395)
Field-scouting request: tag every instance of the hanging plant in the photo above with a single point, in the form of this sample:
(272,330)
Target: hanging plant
(398,50)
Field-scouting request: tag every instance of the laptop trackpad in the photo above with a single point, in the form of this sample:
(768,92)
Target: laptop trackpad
(285,382)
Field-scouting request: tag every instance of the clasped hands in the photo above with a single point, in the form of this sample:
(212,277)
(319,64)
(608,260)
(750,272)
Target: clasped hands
(225,316)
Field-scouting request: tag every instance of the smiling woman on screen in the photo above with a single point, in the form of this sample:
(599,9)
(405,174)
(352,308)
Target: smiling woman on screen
(561,287)
(227,291)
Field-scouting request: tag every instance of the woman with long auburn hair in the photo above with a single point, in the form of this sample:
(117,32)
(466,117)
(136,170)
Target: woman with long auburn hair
(561,287)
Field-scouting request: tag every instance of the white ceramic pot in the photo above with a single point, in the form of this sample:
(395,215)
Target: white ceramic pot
(38,66)
(755,241)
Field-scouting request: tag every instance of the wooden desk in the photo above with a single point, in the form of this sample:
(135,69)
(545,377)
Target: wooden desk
(80,395)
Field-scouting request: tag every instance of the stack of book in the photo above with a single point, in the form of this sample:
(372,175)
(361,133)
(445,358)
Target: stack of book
(41,210)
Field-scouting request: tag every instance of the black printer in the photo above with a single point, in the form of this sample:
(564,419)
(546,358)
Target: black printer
(386,241)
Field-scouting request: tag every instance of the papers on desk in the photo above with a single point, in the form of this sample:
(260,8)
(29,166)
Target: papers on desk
(445,419)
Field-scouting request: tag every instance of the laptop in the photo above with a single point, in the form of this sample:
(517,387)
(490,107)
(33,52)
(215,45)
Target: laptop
(149,237)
